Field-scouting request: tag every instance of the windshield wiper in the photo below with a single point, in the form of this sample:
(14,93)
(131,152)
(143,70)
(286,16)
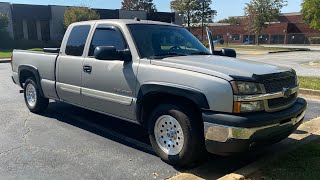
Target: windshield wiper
(159,56)
(200,53)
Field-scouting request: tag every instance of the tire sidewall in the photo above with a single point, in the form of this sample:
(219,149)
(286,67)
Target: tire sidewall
(31,81)
(184,119)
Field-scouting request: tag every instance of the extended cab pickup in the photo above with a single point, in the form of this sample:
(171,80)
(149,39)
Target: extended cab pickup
(190,99)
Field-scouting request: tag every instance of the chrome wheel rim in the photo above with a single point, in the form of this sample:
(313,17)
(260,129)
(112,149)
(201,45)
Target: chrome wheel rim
(169,135)
(31,95)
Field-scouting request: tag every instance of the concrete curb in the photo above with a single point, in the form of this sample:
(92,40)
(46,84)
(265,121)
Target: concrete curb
(309,92)
(5,60)
(255,166)
(285,51)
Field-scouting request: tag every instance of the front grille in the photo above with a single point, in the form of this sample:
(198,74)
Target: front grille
(281,102)
(276,85)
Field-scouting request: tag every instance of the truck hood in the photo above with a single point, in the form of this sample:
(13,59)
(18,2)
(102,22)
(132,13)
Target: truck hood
(219,66)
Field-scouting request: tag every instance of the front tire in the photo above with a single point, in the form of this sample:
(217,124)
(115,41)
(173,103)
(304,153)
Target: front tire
(32,96)
(176,134)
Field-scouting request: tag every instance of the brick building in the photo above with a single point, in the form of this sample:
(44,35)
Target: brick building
(289,29)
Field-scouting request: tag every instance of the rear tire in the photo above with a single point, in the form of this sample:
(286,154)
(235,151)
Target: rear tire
(176,134)
(35,102)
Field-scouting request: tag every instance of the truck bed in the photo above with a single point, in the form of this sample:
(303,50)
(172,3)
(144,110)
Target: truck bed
(43,62)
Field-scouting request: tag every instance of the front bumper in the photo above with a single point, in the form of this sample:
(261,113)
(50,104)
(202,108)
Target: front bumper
(230,133)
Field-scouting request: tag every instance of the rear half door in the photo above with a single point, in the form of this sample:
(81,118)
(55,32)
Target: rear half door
(69,65)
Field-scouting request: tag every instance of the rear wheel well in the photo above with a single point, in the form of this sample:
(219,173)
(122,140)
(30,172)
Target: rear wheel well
(151,101)
(24,75)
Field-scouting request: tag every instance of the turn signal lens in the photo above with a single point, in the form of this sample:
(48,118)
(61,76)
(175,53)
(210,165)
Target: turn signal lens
(242,107)
(237,107)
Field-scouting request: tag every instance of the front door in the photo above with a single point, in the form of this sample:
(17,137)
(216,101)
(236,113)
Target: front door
(109,85)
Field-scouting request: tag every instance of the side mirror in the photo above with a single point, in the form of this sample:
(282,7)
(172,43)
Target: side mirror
(228,52)
(111,53)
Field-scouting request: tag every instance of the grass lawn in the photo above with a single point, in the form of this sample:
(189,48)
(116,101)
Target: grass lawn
(6,53)
(302,163)
(309,83)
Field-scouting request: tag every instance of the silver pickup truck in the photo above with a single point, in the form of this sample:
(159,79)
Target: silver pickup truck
(190,99)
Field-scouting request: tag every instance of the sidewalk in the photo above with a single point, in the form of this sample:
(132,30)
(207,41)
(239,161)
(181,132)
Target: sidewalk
(312,48)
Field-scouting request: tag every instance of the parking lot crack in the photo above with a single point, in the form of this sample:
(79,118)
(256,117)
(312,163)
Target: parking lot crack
(28,129)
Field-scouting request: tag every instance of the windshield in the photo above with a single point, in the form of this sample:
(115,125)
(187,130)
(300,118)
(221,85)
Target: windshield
(160,41)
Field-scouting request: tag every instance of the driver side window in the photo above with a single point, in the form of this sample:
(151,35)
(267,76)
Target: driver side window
(107,37)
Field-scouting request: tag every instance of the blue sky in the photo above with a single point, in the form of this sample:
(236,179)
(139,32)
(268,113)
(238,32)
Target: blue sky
(225,8)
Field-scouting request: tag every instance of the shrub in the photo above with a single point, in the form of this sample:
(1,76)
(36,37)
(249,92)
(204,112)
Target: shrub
(6,41)
(314,40)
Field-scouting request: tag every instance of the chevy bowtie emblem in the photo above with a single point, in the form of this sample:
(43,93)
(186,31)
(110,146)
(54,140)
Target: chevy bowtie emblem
(286,92)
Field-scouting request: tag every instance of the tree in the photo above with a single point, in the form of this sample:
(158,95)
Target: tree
(203,14)
(194,11)
(6,41)
(231,20)
(4,21)
(139,5)
(185,8)
(77,14)
(259,12)
(311,13)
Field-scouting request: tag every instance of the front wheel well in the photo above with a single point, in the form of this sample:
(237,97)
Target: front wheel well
(152,100)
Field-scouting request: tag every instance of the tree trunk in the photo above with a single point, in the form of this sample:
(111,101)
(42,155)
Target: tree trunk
(188,19)
(257,37)
(202,20)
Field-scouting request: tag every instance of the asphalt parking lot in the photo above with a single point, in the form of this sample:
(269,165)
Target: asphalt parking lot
(296,60)
(67,142)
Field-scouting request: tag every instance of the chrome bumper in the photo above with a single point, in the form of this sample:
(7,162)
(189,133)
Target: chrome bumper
(220,133)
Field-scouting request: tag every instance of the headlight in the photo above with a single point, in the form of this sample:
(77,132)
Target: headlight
(243,107)
(245,88)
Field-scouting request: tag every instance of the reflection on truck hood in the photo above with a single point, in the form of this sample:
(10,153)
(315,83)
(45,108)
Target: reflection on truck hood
(223,67)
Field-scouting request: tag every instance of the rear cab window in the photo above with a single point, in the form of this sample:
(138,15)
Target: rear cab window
(77,40)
